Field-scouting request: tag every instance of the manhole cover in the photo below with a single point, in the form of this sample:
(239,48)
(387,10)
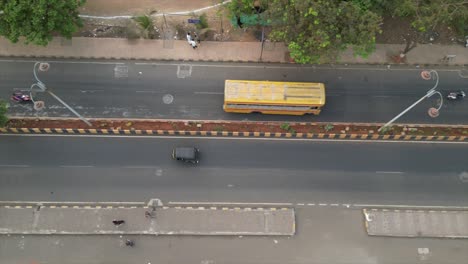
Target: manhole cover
(168,99)
(39,105)
(184,70)
(121,71)
(426,75)
(433,112)
(44,66)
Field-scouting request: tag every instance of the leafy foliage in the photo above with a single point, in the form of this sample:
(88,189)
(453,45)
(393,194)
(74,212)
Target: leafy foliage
(203,21)
(248,12)
(38,20)
(428,14)
(146,24)
(3,111)
(316,30)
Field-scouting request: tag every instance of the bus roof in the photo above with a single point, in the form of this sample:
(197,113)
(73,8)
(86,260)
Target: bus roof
(266,92)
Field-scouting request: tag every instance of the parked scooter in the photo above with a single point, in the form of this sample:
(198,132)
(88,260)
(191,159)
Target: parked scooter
(456,95)
(21,98)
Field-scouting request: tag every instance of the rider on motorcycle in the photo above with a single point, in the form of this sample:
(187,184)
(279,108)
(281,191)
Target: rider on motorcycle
(456,95)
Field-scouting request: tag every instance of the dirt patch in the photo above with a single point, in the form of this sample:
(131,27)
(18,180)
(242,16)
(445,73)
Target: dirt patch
(272,127)
(396,29)
(134,7)
(167,23)
(175,26)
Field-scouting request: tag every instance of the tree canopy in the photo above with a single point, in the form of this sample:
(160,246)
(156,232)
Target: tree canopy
(38,20)
(316,30)
(429,14)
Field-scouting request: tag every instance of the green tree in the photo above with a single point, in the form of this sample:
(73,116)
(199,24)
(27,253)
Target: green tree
(248,12)
(429,14)
(38,20)
(3,111)
(317,30)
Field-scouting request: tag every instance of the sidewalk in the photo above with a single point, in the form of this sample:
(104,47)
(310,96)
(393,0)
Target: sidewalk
(179,50)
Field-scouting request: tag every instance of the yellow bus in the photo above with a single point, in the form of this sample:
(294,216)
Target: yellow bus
(282,98)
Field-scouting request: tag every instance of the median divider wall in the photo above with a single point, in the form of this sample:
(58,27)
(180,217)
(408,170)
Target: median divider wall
(293,130)
(71,131)
(152,219)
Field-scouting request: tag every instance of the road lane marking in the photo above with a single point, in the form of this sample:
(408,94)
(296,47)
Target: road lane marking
(76,166)
(263,66)
(66,62)
(208,93)
(146,91)
(411,206)
(390,172)
(228,203)
(91,91)
(14,165)
(140,167)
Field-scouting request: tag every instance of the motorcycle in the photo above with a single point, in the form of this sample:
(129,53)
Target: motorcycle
(456,95)
(21,98)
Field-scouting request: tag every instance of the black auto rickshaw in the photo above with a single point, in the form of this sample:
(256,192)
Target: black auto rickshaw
(186,154)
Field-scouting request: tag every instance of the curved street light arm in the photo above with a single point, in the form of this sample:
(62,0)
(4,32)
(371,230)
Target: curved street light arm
(436,78)
(441,99)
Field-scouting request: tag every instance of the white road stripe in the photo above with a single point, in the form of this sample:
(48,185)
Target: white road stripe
(228,203)
(76,166)
(67,62)
(14,165)
(410,206)
(208,93)
(290,67)
(390,172)
(140,167)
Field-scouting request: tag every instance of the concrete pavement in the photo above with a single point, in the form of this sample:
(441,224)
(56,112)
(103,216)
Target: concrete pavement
(417,223)
(154,219)
(326,235)
(178,50)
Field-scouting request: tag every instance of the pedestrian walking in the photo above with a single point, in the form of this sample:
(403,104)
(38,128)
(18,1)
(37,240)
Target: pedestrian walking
(193,44)
(148,214)
(196,38)
(189,38)
(118,222)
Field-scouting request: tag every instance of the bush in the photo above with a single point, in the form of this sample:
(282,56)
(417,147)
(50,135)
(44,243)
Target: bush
(146,24)
(203,21)
(285,126)
(328,127)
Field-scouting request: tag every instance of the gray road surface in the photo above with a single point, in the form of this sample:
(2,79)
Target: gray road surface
(154,90)
(232,170)
(325,236)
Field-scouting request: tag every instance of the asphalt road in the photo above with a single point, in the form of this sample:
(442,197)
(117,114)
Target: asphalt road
(157,90)
(232,170)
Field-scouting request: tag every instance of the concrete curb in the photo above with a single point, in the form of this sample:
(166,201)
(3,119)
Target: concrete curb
(131,132)
(117,58)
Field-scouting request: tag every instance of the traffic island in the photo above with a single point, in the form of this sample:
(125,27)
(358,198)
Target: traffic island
(350,131)
(430,223)
(75,218)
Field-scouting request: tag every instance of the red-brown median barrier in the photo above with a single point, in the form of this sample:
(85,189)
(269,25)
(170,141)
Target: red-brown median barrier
(238,128)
